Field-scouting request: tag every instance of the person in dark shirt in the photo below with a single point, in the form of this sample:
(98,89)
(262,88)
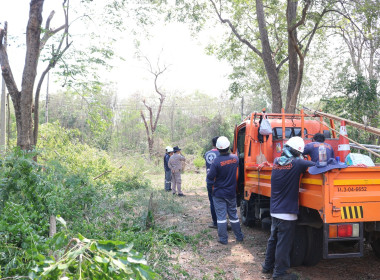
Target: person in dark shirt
(223,172)
(285,180)
(209,158)
(311,149)
(168,172)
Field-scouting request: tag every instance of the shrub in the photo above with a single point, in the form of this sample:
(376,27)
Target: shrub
(98,199)
(71,179)
(199,161)
(24,211)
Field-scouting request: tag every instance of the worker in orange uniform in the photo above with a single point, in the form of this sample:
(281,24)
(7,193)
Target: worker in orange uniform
(285,180)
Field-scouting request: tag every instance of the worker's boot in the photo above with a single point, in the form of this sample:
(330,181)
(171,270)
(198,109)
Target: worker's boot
(287,276)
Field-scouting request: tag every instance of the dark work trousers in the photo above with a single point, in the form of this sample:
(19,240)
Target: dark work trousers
(279,246)
(224,206)
(168,180)
(212,208)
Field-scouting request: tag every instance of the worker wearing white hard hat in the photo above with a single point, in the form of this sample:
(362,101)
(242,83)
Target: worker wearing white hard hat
(285,180)
(222,143)
(223,172)
(168,172)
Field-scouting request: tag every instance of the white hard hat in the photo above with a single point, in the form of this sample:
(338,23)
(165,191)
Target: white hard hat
(169,149)
(222,143)
(296,143)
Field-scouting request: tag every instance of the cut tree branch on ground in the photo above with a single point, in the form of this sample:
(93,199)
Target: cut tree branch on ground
(105,172)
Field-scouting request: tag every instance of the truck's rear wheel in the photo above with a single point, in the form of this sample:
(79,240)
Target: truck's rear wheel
(314,251)
(376,247)
(298,253)
(247,213)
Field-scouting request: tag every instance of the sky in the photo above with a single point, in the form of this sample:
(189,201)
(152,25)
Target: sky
(189,68)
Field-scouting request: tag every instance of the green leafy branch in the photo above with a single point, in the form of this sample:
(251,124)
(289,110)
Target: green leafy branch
(93,259)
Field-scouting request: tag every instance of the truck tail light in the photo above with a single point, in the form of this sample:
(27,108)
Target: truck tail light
(343,230)
(355,230)
(333,231)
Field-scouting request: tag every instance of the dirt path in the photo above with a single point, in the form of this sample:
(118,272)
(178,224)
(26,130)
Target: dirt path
(241,261)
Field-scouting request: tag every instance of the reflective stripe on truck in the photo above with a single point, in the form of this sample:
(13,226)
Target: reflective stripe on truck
(352,212)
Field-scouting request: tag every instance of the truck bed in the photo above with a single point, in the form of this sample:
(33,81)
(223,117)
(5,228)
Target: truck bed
(339,195)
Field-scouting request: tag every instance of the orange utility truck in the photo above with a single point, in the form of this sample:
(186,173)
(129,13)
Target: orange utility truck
(339,209)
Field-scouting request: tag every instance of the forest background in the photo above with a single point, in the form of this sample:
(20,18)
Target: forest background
(89,139)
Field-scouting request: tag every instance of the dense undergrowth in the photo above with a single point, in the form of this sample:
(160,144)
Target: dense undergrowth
(95,200)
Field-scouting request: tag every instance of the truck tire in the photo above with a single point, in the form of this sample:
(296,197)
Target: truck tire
(298,253)
(247,213)
(376,247)
(314,250)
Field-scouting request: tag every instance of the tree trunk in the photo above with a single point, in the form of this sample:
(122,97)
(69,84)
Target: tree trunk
(3,103)
(292,28)
(52,226)
(269,63)
(150,144)
(297,89)
(24,118)
(8,122)
(292,54)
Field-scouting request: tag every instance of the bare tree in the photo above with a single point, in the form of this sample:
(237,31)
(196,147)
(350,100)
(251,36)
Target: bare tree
(151,127)
(360,34)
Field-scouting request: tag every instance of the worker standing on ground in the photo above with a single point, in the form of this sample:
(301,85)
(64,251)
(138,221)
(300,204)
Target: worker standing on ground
(285,180)
(312,149)
(223,172)
(209,157)
(176,167)
(168,172)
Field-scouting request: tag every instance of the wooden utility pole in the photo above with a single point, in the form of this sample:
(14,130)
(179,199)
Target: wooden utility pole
(242,108)
(3,100)
(47,99)
(373,130)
